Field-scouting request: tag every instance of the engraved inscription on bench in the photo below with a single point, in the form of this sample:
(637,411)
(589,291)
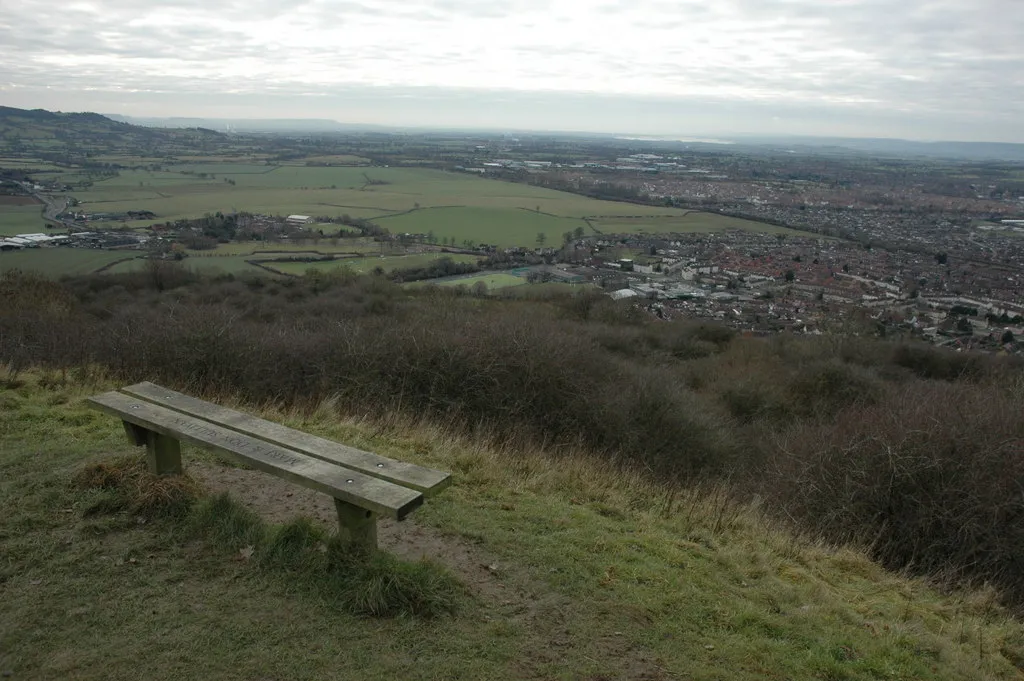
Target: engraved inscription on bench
(238,442)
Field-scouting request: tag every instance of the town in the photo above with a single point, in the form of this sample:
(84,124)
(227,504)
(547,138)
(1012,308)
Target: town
(831,244)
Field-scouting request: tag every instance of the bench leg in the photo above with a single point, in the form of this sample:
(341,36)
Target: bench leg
(137,434)
(163,454)
(358,526)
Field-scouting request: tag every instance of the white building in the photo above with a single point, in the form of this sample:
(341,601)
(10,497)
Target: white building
(623,294)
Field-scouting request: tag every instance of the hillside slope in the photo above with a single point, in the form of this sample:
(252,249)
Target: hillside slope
(570,570)
(76,137)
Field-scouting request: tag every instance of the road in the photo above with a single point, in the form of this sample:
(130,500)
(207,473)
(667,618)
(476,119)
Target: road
(52,206)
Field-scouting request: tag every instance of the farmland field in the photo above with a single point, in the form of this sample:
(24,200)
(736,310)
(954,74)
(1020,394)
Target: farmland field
(25,219)
(691,222)
(59,261)
(368,264)
(452,205)
(499,226)
(265,249)
(542,290)
(493,281)
(27,164)
(228,264)
(344,159)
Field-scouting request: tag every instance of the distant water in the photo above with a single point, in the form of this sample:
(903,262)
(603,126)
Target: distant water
(697,140)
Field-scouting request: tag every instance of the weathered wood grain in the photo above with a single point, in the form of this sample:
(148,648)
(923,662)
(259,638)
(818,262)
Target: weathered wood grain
(367,492)
(420,478)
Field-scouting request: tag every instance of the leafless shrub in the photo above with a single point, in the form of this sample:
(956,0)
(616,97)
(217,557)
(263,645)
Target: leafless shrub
(913,451)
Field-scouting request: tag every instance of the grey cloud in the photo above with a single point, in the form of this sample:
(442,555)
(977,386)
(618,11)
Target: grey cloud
(953,64)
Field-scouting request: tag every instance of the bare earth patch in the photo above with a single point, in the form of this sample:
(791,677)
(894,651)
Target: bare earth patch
(279,501)
(512,595)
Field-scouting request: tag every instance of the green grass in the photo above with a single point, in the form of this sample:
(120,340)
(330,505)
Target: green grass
(489,210)
(232,264)
(234,258)
(27,164)
(581,571)
(219,169)
(21,220)
(368,264)
(336,158)
(452,204)
(498,226)
(546,289)
(55,262)
(493,281)
(694,222)
(262,248)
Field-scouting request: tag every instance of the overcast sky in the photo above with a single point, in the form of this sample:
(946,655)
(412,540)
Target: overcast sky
(920,69)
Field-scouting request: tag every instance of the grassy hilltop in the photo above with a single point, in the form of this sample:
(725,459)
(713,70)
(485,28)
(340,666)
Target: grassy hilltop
(631,500)
(562,568)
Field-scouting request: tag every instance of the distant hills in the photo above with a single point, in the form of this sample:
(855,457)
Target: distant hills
(254,125)
(77,138)
(41,123)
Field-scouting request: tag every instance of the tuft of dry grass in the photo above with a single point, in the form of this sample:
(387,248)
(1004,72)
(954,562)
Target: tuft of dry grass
(123,484)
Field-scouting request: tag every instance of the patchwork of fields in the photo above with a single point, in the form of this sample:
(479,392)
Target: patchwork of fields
(58,261)
(367,264)
(415,200)
(452,206)
(499,226)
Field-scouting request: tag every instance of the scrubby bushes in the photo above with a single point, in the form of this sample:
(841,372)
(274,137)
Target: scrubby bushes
(913,450)
(442,267)
(937,363)
(930,478)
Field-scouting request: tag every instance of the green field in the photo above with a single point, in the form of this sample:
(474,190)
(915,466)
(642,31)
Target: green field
(368,264)
(493,281)
(21,220)
(57,261)
(343,159)
(545,289)
(692,222)
(269,249)
(27,164)
(228,258)
(452,205)
(229,264)
(498,226)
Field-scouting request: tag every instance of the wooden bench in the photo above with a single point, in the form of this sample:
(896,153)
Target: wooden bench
(364,485)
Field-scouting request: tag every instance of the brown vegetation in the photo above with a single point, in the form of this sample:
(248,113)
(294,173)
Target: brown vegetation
(912,450)
(126,485)
(8,200)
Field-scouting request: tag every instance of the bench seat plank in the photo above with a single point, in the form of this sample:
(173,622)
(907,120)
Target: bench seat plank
(373,494)
(423,479)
